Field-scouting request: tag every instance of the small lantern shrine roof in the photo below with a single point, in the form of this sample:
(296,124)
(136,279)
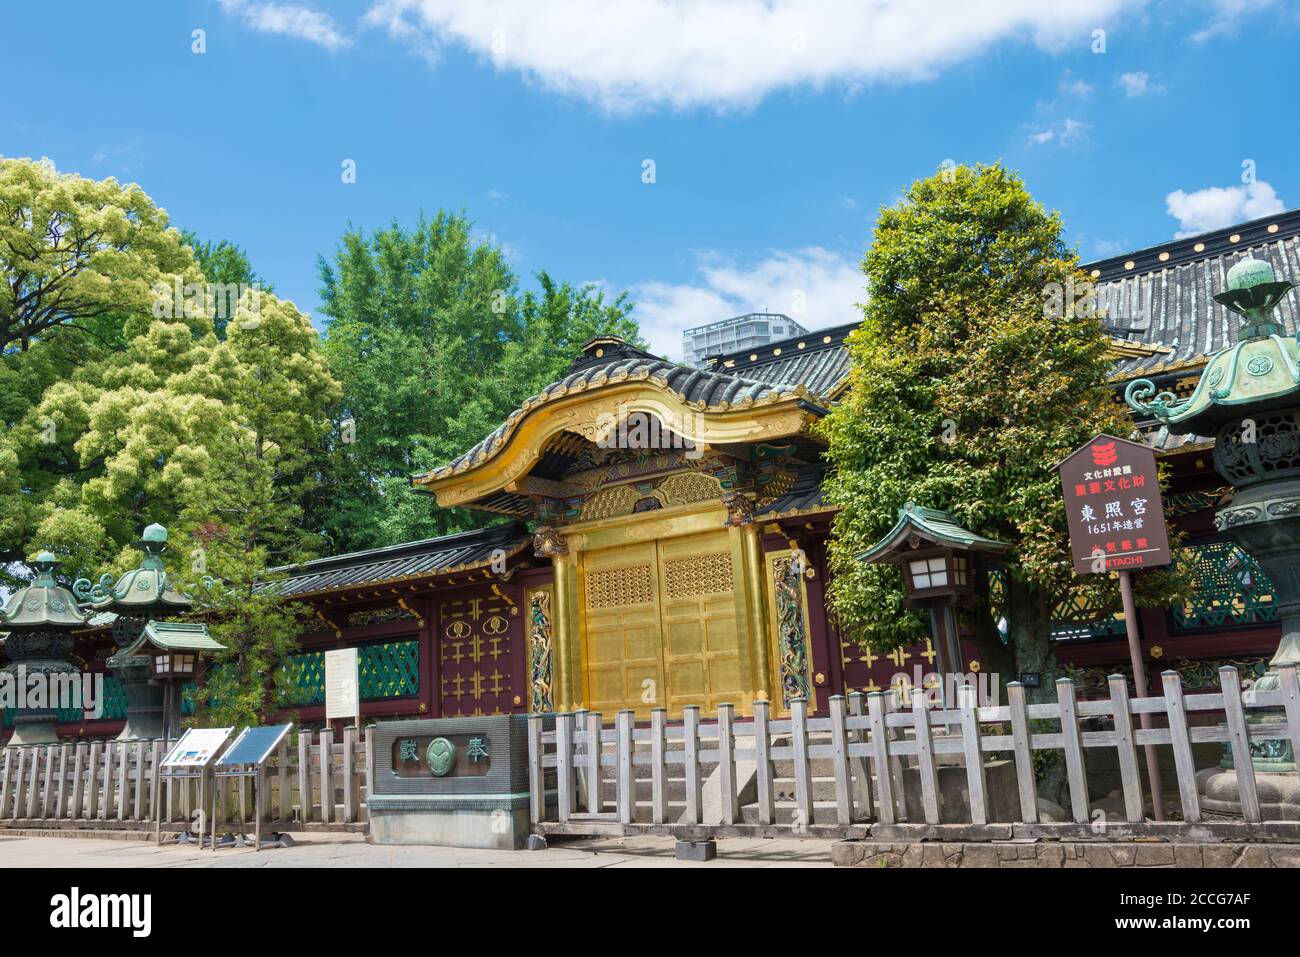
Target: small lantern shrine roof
(44,603)
(918,527)
(143,591)
(1261,371)
(175,636)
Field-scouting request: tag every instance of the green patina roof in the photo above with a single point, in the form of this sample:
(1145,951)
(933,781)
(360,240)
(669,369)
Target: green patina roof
(175,636)
(44,603)
(1261,371)
(142,591)
(933,527)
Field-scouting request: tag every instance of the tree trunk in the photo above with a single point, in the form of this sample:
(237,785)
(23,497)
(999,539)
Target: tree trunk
(1030,627)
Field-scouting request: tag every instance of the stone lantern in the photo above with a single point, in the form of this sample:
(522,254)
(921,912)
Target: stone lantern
(40,620)
(140,595)
(1248,398)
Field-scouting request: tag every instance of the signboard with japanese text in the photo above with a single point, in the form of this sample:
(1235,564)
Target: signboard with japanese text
(342,695)
(196,747)
(1113,506)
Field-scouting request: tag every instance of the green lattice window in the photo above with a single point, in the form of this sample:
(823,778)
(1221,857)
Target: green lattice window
(390,670)
(1230,589)
(301,680)
(1078,616)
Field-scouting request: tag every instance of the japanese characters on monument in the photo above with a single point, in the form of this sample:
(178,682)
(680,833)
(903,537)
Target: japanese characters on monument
(1112,503)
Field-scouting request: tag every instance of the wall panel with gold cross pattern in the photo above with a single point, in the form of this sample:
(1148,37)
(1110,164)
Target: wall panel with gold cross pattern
(476,657)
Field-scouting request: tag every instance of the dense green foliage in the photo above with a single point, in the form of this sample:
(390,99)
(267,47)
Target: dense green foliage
(434,345)
(965,391)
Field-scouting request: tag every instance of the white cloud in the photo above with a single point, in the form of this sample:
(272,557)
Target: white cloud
(1075,85)
(629,54)
(1226,15)
(1217,206)
(497,196)
(1138,84)
(814,286)
(289,20)
(1069,133)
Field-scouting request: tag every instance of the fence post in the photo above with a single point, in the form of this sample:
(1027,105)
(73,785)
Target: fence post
(349,774)
(92,783)
(1291,702)
(595,799)
(6,781)
(976,785)
(861,778)
(282,759)
(1239,740)
(625,797)
(35,782)
(47,793)
(840,761)
(60,805)
(894,704)
(1075,768)
(139,781)
(1022,745)
(304,773)
(803,804)
(727,764)
(536,774)
(1178,736)
(925,756)
(566,778)
(880,746)
(78,789)
(1126,748)
(691,753)
(763,762)
(326,775)
(155,781)
(579,766)
(658,766)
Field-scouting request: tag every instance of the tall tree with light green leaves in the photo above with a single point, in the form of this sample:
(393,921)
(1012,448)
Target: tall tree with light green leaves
(971,377)
(434,345)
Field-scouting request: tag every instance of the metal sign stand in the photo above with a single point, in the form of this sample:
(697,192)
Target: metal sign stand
(244,759)
(188,760)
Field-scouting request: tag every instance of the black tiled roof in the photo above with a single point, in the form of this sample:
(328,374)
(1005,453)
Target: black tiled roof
(819,361)
(433,556)
(804,496)
(1167,302)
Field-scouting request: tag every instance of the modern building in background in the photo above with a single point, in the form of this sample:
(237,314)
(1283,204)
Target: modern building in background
(732,335)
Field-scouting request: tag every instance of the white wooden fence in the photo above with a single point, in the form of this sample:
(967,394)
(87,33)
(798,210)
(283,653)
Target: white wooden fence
(867,748)
(115,784)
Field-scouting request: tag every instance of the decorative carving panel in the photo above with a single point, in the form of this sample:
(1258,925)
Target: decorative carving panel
(611,587)
(698,575)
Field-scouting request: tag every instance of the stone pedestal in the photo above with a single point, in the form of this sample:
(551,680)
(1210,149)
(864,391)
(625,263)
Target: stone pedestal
(1279,795)
(144,699)
(456,782)
(43,654)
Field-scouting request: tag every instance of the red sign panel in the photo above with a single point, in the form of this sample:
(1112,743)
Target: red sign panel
(1113,506)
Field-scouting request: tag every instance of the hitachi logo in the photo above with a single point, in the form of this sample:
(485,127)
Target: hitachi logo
(102,910)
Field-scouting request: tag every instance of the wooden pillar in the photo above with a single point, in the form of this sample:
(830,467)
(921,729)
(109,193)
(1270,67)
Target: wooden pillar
(567,651)
(760,648)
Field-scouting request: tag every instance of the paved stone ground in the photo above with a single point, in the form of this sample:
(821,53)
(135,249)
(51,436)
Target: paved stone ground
(1052,854)
(351,850)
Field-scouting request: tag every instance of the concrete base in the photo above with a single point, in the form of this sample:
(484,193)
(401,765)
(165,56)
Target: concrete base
(536,842)
(1279,795)
(442,823)
(33,732)
(697,850)
(1062,854)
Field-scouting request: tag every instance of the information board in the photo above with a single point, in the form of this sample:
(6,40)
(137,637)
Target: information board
(254,745)
(342,697)
(1113,506)
(196,747)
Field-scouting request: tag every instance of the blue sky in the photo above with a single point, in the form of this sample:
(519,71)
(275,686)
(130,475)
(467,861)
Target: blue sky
(777,128)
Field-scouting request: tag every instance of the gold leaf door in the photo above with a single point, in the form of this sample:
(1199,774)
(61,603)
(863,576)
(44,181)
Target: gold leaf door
(624,644)
(475,657)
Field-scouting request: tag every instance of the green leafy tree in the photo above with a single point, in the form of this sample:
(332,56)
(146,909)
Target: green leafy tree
(434,345)
(258,470)
(967,387)
(225,266)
